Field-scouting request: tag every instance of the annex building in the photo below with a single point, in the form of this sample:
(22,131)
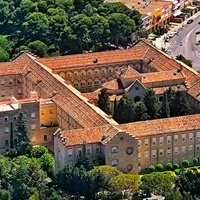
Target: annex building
(57,95)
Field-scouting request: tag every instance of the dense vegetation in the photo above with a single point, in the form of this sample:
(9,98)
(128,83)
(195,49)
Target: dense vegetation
(54,27)
(170,104)
(28,173)
(184,60)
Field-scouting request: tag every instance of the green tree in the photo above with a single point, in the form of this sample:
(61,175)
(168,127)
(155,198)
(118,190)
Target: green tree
(103,101)
(152,103)
(140,111)
(39,48)
(121,26)
(126,110)
(124,182)
(4,55)
(184,60)
(157,183)
(165,109)
(81,26)
(23,141)
(179,104)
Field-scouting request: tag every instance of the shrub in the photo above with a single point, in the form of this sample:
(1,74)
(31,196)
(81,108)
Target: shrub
(169,166)
(194,168)
(185,163)
(177,171)
(159,167)
(195,161)
(151,168)
(175,166)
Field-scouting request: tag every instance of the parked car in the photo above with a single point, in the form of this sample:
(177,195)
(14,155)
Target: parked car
(171,34)
(189,21)
(166,39)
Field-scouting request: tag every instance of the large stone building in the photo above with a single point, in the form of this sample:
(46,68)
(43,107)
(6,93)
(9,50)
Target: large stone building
(51,89)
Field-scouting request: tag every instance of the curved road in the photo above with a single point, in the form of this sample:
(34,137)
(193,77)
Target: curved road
(185,43)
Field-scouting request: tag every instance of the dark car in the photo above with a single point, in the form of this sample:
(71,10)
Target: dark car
(189,21)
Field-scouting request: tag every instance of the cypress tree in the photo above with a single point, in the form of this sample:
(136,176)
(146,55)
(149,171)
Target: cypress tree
(165,109)
(11,136)
(115,111)
(103,101)
(152,103)
(23,143)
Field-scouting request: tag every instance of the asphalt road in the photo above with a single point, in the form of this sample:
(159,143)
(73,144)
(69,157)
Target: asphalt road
(185,43)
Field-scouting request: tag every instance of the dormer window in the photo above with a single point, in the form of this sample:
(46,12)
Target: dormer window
(11,82)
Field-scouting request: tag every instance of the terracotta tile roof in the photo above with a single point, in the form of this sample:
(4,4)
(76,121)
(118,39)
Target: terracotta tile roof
(91,95)
(164,76)
(161,90)
(65,96)
(162,126)
(195,91)
(114,84)
(88,136)
(130,73)
(105,57)
(16,66)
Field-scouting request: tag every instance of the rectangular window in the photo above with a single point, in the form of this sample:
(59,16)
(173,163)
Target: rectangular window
(19,91)
(169,138)
(175,138)
(175,150)
(69,152)
(45,138)
(97,150)
(146,154)
(139,143)
(33,126)
(190,136)
(191,148)
(33,115)
(161,140)
(153,141)
(198,135)
(183,137)
(6,143)
(183,148)
(154,153)
(198,147)
(88,151)
(146,142)
(6,129)
(161,152)
(169,151)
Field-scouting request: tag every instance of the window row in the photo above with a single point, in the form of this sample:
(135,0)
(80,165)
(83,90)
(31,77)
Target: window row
(162,152)
(80,151)
(10,82)
(6,118)
(169,139)
(7,129)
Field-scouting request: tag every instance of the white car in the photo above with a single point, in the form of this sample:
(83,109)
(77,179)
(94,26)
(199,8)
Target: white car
(171,34)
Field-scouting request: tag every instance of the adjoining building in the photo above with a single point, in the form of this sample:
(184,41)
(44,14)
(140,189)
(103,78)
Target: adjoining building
(44,88)
(155,14)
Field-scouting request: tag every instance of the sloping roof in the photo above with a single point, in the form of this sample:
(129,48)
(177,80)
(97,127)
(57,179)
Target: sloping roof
(130,73)
(162,76)
(104,57)
(195,91)
(161,90)
(88,136)
(114,84)
(65,96)
(162,126)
